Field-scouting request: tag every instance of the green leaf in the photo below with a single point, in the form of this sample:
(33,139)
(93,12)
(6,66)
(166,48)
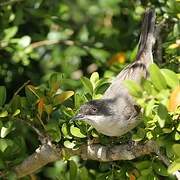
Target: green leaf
(143,165)
(16,112)
(133,88)
(3,144)
(171,78)
(54,131)
(84,173)
(2,95)
(6,129)
(88,85)
(160,169)
(175,166)
(76,132)
(69,144)
(176,149)
(139,135)
(24,41)
(149,107)
(156,77)
(73,170)
(60,98)
(10,32)
(177,136)
(149,135)
(94,78)
(99,54)
(3,114)
(147,171)
(54,81)
(162,115)
(2,164)
(79,99)
(147,86)
(101,86)
(65,131)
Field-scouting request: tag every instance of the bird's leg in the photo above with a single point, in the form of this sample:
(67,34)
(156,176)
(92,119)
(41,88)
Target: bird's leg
(93,140)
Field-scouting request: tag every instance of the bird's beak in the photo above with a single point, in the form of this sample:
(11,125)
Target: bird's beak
(77,117)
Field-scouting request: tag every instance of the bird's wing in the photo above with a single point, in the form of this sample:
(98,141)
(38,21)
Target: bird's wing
(138,68)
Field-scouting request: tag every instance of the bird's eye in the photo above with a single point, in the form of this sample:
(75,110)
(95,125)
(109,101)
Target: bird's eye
(94,109)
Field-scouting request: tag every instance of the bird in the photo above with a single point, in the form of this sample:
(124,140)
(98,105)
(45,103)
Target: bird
(117,113)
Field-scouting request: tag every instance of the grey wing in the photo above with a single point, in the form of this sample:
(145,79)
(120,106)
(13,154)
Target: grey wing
(144,58)
(134,71)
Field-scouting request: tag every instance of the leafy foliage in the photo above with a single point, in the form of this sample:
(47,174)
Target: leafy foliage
(76,39)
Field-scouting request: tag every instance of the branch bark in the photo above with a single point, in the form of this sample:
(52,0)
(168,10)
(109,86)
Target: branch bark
(49,153)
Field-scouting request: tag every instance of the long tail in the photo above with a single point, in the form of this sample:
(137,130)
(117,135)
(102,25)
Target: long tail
(147,37)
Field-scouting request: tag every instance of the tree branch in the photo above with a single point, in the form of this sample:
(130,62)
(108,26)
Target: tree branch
(48,153)
(5,3)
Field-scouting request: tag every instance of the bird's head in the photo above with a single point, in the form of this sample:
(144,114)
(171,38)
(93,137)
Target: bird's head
(94,110)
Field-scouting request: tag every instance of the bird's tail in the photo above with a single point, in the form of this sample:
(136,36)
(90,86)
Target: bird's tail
(147,37)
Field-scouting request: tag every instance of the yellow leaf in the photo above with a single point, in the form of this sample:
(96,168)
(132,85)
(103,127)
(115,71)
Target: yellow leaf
(173,46)
(174,100)
(60,98)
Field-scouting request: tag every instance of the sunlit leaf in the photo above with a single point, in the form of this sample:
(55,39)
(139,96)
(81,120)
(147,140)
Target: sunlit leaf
(60,98)
(75,131)
(133,88)
(79,99)
(69,144)
(5,131)
(175,166)
(65,131)
(3,114)
(88,85)
(4,143)
(176,149)
(94,78)
(24,41)
(10,32)
(157,78)
(171,77)
(18,111)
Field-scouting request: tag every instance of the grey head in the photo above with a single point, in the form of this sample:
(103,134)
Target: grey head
(94,108)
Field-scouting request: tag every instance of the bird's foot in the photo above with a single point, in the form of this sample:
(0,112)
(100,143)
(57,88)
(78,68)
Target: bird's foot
(93,141)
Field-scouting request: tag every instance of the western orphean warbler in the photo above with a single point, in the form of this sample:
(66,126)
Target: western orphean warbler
(117,113)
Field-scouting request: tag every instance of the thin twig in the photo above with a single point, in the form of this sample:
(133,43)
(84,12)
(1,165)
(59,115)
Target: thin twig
(40,120)
(50,42)
(19,89)
(32,126)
